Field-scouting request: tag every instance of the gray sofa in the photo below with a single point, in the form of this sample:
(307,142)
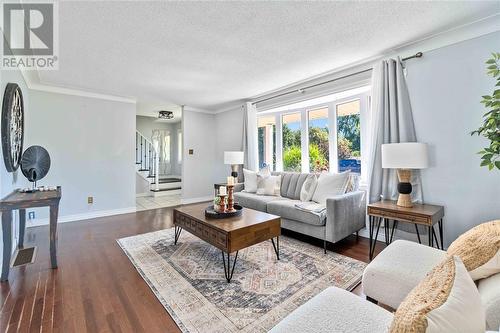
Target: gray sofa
(345,214)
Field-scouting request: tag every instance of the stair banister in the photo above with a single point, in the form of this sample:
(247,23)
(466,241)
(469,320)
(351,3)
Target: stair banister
(149,154)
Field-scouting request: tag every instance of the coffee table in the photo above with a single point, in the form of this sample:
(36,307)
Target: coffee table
(228,235)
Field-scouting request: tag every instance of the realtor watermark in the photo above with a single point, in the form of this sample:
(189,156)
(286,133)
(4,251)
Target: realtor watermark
(31,35)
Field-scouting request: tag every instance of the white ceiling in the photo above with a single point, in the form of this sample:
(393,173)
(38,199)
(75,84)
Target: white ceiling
(209,55)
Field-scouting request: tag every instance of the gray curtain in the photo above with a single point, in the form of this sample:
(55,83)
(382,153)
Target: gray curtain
(249,139)
(392,122)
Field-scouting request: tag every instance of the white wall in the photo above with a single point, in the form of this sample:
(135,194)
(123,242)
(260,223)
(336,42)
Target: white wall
(228,136)
(91,143)
(176,165)
(198,170)
(445,87)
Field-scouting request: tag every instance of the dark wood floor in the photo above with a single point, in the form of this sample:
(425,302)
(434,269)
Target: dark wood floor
(96,288)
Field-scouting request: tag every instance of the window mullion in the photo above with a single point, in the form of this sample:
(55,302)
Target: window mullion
(332,139)
(279,142)
(304,140)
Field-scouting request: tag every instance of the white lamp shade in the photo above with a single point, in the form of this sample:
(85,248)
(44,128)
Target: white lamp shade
(408,155)
(233,157)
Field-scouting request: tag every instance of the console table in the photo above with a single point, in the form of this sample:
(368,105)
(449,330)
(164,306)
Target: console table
(21,201)
(420,214)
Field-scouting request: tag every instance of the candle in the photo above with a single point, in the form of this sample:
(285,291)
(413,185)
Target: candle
(230,180)
(222,190)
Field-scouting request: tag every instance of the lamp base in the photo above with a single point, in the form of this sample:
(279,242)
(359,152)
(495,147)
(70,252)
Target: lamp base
(234,170)
(404,188)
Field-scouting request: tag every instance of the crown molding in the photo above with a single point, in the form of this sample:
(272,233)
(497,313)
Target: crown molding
(193,109)
(80,93)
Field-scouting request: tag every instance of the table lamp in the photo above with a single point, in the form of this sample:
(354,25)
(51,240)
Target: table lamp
(234,158)
(404,157)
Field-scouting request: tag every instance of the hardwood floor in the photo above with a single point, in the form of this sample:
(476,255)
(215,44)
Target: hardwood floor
(96,288)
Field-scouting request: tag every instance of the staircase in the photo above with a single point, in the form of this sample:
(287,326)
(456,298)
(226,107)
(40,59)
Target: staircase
(147,165)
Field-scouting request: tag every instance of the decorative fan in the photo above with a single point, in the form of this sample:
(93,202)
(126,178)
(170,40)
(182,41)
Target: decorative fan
(12,126)
(35,164)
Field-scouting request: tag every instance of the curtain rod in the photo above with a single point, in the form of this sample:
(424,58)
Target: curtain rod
(301,90)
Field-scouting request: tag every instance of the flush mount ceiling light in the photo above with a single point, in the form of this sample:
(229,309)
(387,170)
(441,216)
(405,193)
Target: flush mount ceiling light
(165,114)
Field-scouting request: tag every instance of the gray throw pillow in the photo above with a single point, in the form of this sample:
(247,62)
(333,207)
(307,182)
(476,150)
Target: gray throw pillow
(308,188)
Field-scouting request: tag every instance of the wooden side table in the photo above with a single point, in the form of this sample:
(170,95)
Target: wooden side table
(419,214)
(21,201)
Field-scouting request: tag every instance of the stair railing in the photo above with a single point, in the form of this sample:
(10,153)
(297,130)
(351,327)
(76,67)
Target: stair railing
(147,157)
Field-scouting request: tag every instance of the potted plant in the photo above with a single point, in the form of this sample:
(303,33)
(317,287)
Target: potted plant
(490,129)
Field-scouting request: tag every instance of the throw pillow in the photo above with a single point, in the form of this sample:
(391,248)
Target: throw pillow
(479,249)
(352,183)
(446,300)
(270,185)
(250,181)
(307,190)
(330,185)
(250,178)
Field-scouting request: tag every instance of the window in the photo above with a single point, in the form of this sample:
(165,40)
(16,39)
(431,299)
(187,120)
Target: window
(291,138)
(319,149)
(179,147)
(349,136)
(324,134)
(267,141)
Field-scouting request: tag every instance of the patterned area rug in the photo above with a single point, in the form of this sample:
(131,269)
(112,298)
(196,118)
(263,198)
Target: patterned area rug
(188,279)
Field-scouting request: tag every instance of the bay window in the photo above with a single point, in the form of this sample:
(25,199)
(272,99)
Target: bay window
(322,134)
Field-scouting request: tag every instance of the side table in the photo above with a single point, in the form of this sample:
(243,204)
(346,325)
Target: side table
(18,200)
(420,214)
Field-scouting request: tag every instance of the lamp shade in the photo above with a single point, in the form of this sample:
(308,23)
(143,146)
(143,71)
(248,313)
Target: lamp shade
(407,155)
(233,157)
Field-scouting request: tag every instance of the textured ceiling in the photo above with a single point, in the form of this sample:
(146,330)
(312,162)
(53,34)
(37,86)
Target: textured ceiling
(210,54)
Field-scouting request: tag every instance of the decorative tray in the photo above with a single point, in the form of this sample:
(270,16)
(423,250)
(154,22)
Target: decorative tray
(211,213)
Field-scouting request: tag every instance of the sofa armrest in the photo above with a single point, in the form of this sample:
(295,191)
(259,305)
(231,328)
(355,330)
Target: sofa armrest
(345,214)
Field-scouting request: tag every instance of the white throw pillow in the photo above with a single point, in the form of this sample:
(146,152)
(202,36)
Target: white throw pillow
(308,188)
(270,185)
(330,185)
(250,181)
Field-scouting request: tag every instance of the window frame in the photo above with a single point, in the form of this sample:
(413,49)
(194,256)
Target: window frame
(363,97)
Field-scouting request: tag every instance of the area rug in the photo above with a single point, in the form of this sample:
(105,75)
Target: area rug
(188,280)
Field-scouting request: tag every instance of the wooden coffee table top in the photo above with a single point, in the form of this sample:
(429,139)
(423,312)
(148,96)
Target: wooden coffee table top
(248,218)
(231,234)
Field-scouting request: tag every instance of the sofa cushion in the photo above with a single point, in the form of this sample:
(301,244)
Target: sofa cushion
(286,209)
(397,270)
(335,310)
(489,289)
(291,184)
(254,201)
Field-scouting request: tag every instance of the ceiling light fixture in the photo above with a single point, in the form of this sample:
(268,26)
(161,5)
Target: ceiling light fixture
(165,114)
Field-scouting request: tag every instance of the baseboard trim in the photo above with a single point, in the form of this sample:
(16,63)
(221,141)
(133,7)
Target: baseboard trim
(145,194)
(80,217)
(195,200)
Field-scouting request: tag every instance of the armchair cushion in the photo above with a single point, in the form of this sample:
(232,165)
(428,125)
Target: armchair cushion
(397,270)
(489,289)
(336,310)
